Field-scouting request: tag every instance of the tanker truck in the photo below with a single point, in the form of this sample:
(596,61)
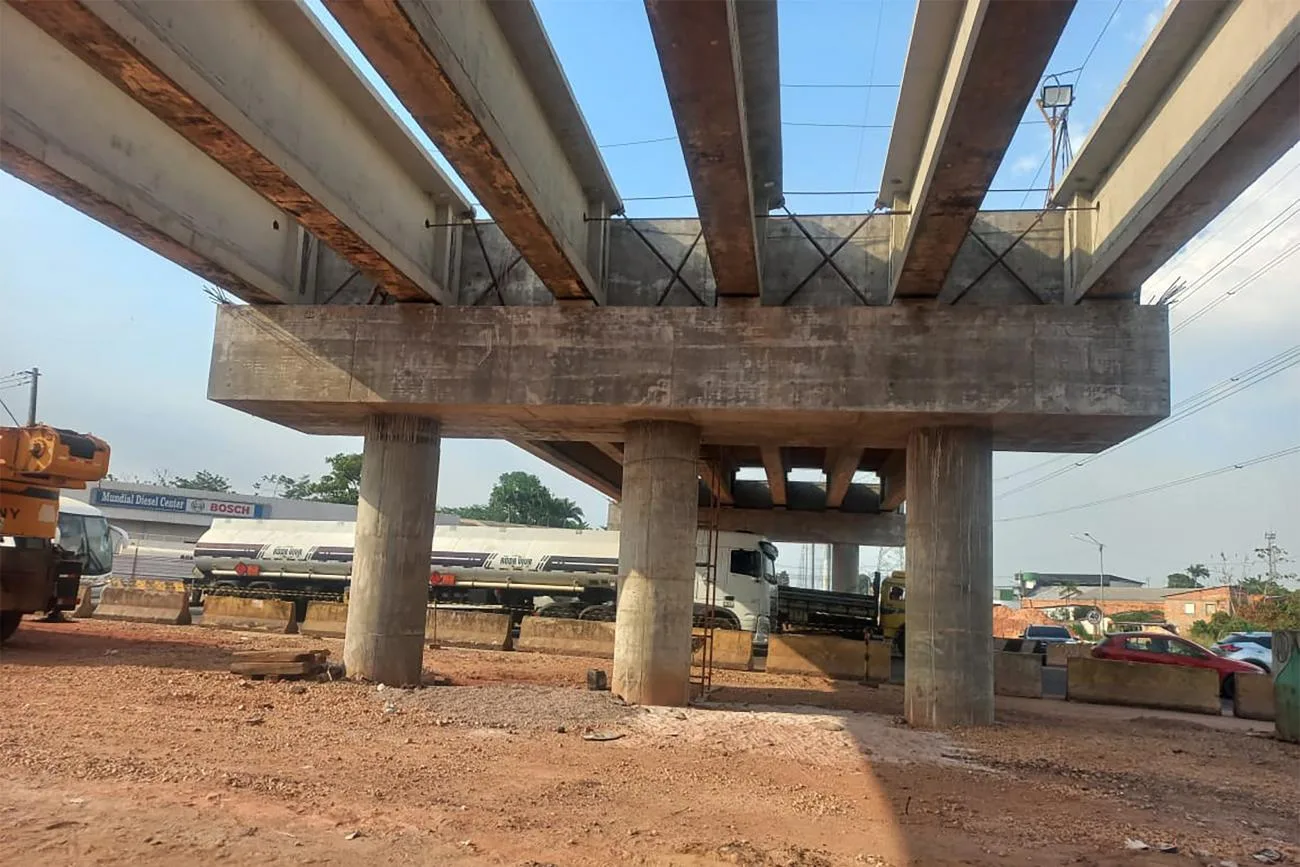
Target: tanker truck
(523,570)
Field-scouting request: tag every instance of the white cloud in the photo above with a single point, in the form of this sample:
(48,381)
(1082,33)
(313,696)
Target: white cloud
(1216,261)
(1025,164)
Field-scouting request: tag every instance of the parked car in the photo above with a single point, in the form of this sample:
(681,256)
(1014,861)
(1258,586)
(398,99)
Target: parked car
(1048,635)
(1165,649)
(1255,647)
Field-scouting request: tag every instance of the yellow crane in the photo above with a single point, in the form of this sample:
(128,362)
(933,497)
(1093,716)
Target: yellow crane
(36,462)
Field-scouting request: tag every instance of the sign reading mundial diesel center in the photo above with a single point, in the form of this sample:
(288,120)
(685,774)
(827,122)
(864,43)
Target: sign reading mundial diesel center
(165,503)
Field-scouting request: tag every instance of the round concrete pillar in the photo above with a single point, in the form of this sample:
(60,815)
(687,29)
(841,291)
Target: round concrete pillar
(949,666)
(656,563)
(844,568)
(390,567)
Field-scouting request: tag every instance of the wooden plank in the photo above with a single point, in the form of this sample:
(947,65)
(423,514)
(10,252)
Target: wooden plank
(281,655)
(283,669)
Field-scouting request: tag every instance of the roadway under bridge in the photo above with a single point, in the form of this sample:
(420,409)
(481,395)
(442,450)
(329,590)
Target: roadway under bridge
(655,359)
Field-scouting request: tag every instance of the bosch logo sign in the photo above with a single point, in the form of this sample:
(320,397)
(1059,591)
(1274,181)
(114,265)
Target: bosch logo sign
(237,510)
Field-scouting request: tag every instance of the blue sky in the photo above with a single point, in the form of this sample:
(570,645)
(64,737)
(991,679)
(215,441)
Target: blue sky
(134,331)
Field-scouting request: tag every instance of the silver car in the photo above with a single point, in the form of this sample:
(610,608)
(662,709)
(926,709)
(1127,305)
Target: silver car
(1255,647)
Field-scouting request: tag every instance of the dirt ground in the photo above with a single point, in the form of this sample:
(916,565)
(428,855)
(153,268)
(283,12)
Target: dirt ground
(132,744)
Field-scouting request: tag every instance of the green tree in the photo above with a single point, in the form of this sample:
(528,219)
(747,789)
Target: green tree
(1182,580)
(1069,590)
(1198,572)
(521,498)
(202,481)
(1260,586)
(342,484)
(280,485)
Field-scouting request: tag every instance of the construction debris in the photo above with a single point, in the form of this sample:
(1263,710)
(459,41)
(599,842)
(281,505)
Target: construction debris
(279,663)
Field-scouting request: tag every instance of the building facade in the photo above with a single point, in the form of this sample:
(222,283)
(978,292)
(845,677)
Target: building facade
(157,513)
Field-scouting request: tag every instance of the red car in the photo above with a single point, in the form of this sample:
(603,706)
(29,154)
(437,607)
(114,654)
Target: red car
(1166,649)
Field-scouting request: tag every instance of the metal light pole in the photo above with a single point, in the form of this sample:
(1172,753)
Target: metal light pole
(1101,573)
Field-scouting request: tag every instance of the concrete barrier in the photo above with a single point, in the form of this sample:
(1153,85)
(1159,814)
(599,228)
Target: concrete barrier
(257,615)
(732,648)
(1253,697)
(85,602)
(567,637)
(880,664)
(1017,674)
(829,655)
(1059,654)
(325,619)
(451,628)
(144,606)
(1141,684)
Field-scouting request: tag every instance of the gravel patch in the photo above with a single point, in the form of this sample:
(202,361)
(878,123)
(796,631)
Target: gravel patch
(520,707)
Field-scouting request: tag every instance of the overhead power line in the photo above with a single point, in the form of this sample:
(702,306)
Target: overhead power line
(1246,379)
(1245,246)
(1262,459)
(1083,66)
(1241,284)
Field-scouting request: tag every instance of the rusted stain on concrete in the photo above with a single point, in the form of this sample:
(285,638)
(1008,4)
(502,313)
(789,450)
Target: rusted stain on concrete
(21,165)
(80,31)
(697,51)
(1014,44)
(389,39)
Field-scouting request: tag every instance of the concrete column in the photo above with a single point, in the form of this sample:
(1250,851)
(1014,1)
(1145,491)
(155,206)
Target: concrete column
(656,563)
(844,568)
(949,669)
(390,569)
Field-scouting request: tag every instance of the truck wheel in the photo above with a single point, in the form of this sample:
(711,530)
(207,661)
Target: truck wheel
(9,621)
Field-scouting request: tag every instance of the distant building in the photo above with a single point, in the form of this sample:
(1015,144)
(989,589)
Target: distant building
(1185,607)
(1032,580)
(182,514)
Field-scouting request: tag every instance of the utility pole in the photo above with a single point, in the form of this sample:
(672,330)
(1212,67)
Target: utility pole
(1270,553)
(35,374)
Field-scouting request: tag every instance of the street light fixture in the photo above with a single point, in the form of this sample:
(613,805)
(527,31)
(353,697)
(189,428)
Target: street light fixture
(1057,95)
(1101,573)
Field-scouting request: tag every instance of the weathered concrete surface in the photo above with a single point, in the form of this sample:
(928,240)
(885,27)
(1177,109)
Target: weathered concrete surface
(844,568)
(394,534)
(567,637)
(732,648)
(1253,697)
(884,529)
(949,670)
(1209,104)
(85,604)
(444,628)
(656,563)
(483,81)
(1060,654)
(71,133)
(1041,377)
(144,606)
(1018,674)
(699,53)
(247,84)
(829,655)
(643,254)
(880,660)
(992,55)
(326,619)
(255,615)
(1174,687)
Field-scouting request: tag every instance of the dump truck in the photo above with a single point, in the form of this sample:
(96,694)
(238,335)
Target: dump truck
(48,542)
(880,614)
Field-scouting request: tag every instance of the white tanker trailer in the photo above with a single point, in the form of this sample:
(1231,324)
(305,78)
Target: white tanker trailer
(525,570)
